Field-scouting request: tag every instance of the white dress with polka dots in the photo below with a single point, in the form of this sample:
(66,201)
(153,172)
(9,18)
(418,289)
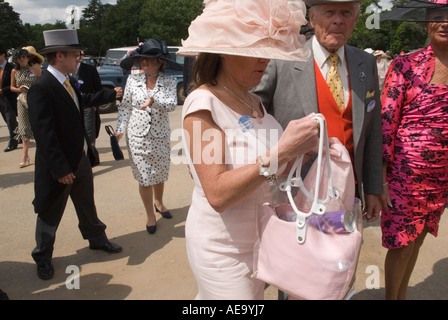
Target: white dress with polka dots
(148,131)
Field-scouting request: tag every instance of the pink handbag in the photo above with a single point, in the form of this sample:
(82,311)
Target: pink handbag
(309,247)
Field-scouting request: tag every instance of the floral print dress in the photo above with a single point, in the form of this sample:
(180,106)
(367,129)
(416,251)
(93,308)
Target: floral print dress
(415,147)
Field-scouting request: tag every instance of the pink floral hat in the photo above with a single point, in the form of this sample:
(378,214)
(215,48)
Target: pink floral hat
(253,28)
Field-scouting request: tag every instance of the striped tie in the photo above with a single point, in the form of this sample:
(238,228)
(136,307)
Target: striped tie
(334,82)
(69,88)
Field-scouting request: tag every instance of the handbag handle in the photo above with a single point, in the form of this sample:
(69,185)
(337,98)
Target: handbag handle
(109,130)
(318,205)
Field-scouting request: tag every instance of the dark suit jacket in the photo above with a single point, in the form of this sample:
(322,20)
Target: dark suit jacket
(90,81)
(58,128)
(288,91)
(6,86)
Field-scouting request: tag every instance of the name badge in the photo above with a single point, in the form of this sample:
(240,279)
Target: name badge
(371,106)
(245,123)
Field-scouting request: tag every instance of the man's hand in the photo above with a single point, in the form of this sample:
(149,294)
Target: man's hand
(68,179)
(373,207)
(119,92)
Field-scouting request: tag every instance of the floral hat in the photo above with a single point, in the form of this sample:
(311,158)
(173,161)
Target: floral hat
(253,28)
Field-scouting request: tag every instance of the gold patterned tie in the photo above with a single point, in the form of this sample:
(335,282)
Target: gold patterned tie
(69,87)
(334,82)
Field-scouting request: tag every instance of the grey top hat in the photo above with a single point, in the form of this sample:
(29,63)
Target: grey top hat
(311,3)
(61,40)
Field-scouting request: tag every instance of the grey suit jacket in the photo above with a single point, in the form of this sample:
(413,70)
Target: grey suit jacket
(288,91)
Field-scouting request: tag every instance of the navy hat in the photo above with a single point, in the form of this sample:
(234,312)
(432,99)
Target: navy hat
(152,48)
(415,11)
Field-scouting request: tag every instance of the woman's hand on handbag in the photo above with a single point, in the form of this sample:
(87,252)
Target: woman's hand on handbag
(299,137)
(118,135)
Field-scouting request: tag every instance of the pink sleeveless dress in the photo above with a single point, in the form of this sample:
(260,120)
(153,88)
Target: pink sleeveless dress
(220,245)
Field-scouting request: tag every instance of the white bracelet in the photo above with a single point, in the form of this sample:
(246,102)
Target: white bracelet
(264,171)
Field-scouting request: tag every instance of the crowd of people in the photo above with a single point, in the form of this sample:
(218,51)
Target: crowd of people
(390,115)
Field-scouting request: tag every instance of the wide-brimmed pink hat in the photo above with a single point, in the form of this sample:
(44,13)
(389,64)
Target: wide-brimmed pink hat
(252,28)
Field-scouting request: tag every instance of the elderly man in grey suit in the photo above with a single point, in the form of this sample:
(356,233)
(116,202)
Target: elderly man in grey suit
(344,89)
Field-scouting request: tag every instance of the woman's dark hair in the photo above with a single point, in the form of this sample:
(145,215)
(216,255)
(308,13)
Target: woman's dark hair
(206,69)
(33,60)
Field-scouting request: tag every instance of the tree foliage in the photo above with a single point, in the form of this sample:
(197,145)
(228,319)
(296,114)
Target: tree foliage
(11,29)
(169,20)
(105,26)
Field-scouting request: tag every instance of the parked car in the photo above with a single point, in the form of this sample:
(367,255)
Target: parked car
(112,75)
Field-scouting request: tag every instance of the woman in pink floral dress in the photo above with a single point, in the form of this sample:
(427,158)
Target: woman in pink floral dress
(415,150)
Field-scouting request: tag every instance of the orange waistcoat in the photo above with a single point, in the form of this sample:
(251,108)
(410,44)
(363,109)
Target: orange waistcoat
(339,124)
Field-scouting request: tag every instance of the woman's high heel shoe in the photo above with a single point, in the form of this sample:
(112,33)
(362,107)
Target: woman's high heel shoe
(25,164)
(166,214)
(151,229)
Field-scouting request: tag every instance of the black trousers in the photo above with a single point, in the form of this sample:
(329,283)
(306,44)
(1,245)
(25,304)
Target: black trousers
(90,122)
(81,193)
(9,114)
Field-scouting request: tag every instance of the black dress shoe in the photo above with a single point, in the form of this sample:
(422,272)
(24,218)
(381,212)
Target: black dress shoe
(10,147)
(108,247)
(3,295)
(45,270)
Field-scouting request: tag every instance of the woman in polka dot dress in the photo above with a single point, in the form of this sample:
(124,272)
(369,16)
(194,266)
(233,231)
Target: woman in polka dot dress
(143,114)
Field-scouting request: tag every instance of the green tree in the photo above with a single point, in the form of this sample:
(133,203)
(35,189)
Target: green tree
(91,27)
(34,33)
(169,20)
(121,23)
(367,34)
(402,41)
(12,32)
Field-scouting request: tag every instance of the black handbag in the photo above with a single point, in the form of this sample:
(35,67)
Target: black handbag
(116,151)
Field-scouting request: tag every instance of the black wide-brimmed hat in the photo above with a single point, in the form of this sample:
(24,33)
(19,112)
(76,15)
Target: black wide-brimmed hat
(152,48)
(415,11)
(61,40)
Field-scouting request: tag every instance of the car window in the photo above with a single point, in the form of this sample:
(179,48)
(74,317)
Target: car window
(114,57)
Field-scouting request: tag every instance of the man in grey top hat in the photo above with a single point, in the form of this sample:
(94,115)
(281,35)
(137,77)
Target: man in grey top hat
(345,90)
(62,168)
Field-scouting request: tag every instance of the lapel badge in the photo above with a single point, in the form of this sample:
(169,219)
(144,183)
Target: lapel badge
(362,76)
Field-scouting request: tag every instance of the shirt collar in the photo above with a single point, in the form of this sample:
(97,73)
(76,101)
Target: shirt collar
(3,64)
(57,74)
(321,54)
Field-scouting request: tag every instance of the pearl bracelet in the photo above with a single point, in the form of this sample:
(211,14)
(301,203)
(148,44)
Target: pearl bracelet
(264,171)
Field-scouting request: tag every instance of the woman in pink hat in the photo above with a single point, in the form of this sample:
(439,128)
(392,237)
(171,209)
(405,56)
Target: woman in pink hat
(415,149)
(236,149)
